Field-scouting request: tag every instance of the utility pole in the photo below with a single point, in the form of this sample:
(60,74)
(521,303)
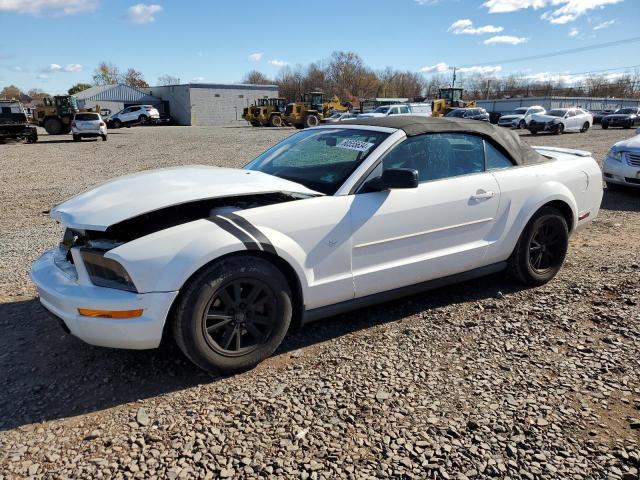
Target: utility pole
(453,84)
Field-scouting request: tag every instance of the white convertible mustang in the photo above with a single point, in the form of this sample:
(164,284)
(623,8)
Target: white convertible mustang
(330,219)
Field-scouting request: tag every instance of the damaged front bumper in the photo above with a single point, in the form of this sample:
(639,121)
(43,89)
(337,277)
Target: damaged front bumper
(64,288)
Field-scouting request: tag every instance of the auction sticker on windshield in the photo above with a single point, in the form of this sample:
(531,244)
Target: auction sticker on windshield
(357,145)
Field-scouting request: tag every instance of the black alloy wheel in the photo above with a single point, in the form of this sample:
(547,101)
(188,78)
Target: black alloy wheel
(239,317)
(546,249)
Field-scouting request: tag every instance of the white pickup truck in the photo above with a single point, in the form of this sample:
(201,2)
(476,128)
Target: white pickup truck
(420,109)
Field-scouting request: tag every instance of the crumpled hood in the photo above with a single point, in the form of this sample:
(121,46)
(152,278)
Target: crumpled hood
(511,117)
(132,195)
(543,118)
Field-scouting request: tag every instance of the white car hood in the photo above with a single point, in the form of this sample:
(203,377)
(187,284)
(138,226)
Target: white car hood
(369,115)
(132,195)
(511,117)
(543,118)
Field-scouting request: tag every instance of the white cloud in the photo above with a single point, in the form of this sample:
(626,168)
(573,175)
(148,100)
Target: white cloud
(53,7)
(567,78)
(141,13)
(563,11)
(278,63)
(465,27)
(42,76)
(437,68)
(55,68)
(602,25)
(197,79)
(509,39)
(574,32)
(255,57)
(485,70)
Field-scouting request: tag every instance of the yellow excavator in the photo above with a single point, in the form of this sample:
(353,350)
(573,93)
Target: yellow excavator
(448,99)
(56,113)
(312,109)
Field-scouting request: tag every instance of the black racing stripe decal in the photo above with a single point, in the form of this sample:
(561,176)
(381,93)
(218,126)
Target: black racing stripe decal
(253,231)
(227,226)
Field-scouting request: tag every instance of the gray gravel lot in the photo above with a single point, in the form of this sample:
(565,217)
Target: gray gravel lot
(480,380)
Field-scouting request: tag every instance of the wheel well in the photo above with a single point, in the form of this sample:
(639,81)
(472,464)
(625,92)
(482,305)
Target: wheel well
(564,209)
(282,265)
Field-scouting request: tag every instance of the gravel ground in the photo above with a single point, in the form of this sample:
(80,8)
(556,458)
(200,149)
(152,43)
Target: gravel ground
(479,380)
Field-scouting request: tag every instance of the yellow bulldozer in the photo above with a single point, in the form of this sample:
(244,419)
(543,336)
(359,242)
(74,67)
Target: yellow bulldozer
(448,99)
(312,109)
(55,114)
(266,112)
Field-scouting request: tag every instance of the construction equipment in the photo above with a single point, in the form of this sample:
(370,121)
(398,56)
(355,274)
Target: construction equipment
(56,113)
(14,123)
(312,109)
(248,112)
(448,99)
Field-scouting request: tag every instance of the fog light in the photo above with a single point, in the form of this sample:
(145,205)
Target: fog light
(87,312)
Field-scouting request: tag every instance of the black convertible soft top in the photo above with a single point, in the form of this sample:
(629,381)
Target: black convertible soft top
(510,142)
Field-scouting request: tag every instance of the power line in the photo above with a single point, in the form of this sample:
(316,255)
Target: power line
(555,54)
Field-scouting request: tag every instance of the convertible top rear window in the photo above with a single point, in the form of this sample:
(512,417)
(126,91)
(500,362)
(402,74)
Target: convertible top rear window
(319,159)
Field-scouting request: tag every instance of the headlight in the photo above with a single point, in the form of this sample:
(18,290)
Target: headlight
(615,155)
(105,272)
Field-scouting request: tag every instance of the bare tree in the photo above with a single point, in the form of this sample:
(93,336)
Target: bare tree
(168,80)
(106,74)
(10,92)
(254,77)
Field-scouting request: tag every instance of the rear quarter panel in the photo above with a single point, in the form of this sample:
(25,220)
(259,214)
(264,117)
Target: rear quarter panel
(573,180)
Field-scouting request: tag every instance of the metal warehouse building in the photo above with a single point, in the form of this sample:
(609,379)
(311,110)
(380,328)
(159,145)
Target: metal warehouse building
(505,105)
(209,103)
(116,97)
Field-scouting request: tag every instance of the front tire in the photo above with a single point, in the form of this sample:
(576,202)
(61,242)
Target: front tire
(585,127)
(275,121)
(53,126)
(604,126)
(311,120)
(559,129)
(117,124)
(522,125)
(541,248)
(233,314)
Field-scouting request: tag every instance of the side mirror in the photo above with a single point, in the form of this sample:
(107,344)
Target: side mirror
(394,178)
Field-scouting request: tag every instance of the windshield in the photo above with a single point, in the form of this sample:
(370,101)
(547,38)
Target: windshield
(319,159)
(559,112)
(519,111)
(455,113)
(381,110)
(626,110)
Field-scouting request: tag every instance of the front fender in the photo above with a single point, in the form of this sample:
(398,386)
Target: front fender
(164,260)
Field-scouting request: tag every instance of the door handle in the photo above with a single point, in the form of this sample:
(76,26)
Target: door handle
(483,195)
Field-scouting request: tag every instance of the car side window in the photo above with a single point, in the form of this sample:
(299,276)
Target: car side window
(404,109)
(436,156)
(393,111)
(494,158)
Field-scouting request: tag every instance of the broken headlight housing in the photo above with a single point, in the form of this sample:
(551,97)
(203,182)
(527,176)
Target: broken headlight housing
(105,272)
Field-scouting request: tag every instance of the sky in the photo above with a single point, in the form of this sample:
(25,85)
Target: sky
(53,44)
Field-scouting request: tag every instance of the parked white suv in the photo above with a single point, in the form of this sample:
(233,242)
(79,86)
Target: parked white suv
(134,115)
(88,125)
(520,117)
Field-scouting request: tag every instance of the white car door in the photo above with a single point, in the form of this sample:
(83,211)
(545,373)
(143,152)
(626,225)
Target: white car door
(406,236)
(571,120)
(123,116)
(393,111)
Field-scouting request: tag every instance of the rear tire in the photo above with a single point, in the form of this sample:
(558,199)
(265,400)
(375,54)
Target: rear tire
(233,314)
(522,125)
(629,124)
(605,126)
(541,248)
(104,138)
(53,126)
(143,119)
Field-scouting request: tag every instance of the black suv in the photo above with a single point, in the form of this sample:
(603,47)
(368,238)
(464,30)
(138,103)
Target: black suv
(623,117)
(470,113)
